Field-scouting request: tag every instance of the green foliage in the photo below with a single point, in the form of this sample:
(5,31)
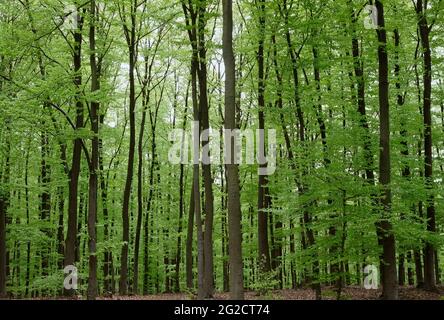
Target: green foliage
(333,199)
(265,282)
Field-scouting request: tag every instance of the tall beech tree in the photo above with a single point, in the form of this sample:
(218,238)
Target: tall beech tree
(264,251)
(131,37)
(384,225)
(94,165)
(74,173)
(424,32)
(233,203)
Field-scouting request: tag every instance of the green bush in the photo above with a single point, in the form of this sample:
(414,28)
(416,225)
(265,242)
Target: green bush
(265,282)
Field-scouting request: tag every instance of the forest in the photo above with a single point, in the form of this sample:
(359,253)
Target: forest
(234,149)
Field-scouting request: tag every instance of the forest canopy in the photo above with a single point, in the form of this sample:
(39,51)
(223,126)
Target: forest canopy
(204,146)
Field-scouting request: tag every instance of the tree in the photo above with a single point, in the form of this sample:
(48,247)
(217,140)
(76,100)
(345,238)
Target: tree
(195,19)
(264,251)
(94,166)
(389,284)
(2,247)
(131,41)
(233,203)
(424,32)
(71,235)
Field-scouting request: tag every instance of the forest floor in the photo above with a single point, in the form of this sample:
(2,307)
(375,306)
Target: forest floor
(328,293)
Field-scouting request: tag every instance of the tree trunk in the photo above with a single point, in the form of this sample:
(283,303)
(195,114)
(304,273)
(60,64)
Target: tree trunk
(233,204)
(181,194)
(139,203)
(189,243)
(224,226)
(145,94)
(367,139)
(429,250)
(389,285)
(418,269)
(191,212)
(60,227)
(410,279)
(197,204)
(107,258)
(208,281)
(94,165)
(28,243)
(404,147)
(71,236)
(45,197)
(3,209)
(131,42)
(147,215)
(195,21)
(262,224)
(2,245)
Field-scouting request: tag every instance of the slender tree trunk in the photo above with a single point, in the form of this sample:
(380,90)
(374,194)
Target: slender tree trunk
(3,209)
(28,243)
(192,209)
(233,205)
(71,236)
(107,258)
(145,95)
(139,204)
(2,245)
(113,218)
(181,195)
(359,75)
(131,42)
(224,226)
(45,197)
(60,226)
(195,21)
(404,147)
(197,204)
(208,281)
(7,198)
(189,242)
(418,269)
(389,285)
(147,215)
(429,251)
(264,250)
(367,139)
(223,195)
(94,166)
(146,237)
(417,252)
(179,232)
(276,241)
(410,279)
(165,233)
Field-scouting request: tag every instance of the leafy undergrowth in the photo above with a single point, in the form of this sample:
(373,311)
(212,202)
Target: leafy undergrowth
(328,293)
(349,293)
